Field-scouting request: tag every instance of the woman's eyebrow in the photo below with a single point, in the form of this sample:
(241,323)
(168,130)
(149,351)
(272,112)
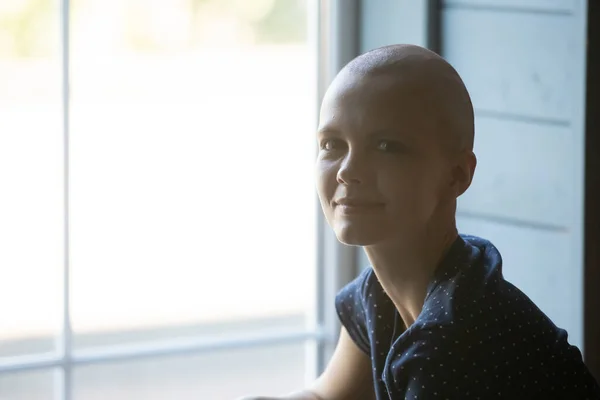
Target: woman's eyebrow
(397,134)
(326,130)
(389,134)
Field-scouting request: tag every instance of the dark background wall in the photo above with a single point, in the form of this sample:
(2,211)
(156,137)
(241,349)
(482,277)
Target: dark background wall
(592,194)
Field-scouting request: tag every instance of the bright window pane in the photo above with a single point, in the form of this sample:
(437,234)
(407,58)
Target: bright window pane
(192,200)
(34,385)
(31,177)
(275,370)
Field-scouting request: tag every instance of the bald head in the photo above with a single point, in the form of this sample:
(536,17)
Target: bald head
(395,130)
(428,82)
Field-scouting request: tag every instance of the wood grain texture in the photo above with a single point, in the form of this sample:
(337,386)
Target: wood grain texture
(564,6)
(524,172)
(514,63)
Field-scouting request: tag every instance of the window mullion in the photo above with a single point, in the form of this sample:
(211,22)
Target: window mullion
(158,348)
(338,38)
(65,345)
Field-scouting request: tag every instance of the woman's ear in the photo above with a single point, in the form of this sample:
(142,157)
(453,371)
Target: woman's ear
(463,171)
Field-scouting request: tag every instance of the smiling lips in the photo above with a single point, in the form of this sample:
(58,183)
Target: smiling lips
(357,206)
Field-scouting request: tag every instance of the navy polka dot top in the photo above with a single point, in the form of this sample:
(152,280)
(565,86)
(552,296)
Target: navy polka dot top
(477,337)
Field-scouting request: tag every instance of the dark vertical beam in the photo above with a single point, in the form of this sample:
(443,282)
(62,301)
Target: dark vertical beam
(592,194)
(434,26)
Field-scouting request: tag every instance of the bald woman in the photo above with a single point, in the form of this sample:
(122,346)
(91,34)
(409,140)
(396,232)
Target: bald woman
(433,317)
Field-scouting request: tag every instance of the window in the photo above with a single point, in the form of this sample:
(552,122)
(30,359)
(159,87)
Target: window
(146,241)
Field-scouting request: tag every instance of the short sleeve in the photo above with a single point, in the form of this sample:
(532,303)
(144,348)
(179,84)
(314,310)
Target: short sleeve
(351,310)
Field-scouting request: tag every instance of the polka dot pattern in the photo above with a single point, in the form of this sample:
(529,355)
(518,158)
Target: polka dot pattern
(477,337)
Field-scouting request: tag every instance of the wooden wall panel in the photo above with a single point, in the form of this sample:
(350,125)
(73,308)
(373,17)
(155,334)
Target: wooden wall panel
(523,174)
(515,64)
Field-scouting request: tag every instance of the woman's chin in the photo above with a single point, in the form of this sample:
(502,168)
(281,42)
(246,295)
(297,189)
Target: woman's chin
(352,236)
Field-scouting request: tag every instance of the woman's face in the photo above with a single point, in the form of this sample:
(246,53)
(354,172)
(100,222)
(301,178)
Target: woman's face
(378,151)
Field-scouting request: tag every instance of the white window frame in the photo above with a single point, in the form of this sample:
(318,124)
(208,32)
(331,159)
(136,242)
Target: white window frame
(337,264)
(333,30)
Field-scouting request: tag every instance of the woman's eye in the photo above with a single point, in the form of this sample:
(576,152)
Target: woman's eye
(383,145)
(388,146)
(329,144)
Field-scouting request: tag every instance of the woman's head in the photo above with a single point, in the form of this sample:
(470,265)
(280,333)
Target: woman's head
(395,135)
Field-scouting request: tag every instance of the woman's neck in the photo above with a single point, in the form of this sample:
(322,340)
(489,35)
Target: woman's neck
(406,267)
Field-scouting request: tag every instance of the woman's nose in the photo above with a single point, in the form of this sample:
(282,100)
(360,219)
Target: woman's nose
(353,169)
